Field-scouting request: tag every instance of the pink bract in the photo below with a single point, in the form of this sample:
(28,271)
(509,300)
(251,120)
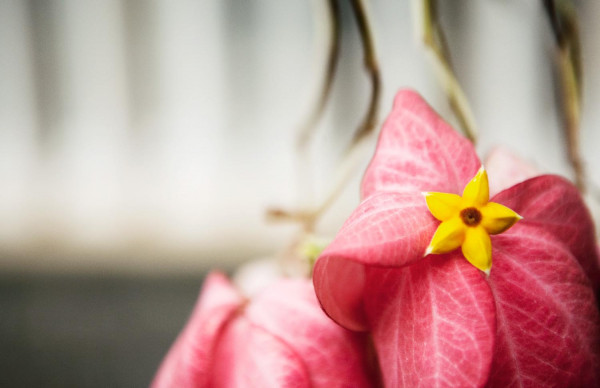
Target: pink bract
(438,321)
(507,169)
(281,338)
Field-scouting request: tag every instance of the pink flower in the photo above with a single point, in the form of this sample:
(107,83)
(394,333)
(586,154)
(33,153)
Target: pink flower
(281,338)
(437,320)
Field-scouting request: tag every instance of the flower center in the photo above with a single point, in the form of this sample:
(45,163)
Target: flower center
(470,216)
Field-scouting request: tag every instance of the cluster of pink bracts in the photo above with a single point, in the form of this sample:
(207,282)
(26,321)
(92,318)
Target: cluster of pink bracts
(381,314)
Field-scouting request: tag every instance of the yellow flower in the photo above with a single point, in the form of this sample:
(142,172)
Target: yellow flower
(468,221)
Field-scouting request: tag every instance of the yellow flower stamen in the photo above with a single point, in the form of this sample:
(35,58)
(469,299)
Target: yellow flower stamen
(468,221)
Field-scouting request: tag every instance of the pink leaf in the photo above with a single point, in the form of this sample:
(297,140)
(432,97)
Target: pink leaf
(433,323)
(189,362)
(505,169)
(249,356)
(339,285)
(418,151)
(548,328)
(333,356)
(281,338)
(433,319)
(555,205)
(387,229)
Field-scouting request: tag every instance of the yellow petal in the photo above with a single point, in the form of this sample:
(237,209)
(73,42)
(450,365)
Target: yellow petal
(448,236)
(443,206)
(477,248)
(496,218)
(477,191)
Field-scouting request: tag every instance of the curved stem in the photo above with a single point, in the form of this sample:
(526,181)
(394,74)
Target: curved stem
(309,126)
(308,218)
(372,66)
(563,21)
(435,41)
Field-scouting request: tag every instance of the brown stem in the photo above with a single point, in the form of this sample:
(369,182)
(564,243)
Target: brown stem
(563,22)
(435,40)
(372,66)
(309,126)
(308,218)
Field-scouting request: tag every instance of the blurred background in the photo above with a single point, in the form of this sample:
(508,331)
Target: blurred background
(141,143)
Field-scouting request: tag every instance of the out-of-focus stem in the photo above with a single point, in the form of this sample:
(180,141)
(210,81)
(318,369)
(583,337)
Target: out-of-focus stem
(365,29)
(572,111)
(350,160)
(435,41)
(333,54)
(563,21)
(308,218)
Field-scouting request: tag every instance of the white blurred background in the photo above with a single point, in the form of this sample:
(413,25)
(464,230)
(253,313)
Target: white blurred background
(151,136)
(141,143)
